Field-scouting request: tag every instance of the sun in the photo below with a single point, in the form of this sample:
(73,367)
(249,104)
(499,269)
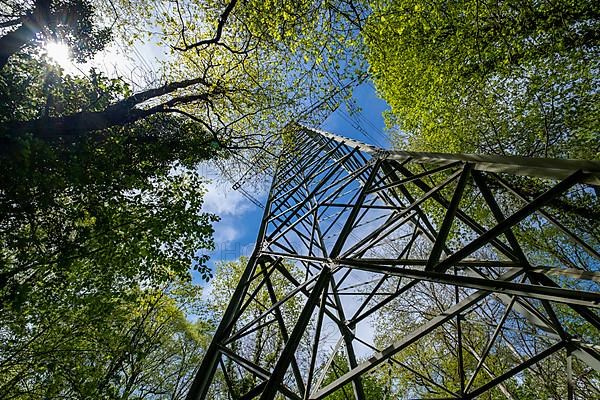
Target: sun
(59,52)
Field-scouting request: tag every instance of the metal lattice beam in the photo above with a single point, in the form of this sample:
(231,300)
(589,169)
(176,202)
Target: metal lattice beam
(353,234)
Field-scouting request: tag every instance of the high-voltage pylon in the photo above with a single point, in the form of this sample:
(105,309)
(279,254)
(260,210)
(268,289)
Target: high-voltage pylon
(390,274)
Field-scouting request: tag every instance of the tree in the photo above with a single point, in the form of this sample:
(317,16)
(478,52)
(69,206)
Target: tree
(508,77)
(141,346)
(101,199)
(89,232)
(72,22)
(227,79)
(376,387)
(108,202)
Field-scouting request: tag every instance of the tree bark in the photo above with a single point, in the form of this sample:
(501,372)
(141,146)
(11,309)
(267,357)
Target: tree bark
(31,26)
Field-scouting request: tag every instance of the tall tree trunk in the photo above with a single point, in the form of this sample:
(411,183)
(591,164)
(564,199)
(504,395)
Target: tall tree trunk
(31,25)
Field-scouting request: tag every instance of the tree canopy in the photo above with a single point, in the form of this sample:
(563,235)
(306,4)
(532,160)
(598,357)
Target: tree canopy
(101,217)
(101,194)
(507,77)
(31,23)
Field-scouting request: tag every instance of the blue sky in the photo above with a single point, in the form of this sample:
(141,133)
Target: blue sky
(235,234)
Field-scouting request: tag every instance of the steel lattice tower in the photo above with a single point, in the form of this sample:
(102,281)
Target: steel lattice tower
(366,257)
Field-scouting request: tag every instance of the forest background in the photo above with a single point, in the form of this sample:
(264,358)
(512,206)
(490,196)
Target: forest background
(101,195)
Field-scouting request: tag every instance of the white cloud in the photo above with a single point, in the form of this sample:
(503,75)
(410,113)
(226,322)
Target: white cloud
(230,205)
(207,290)
(225,232)
(222,200)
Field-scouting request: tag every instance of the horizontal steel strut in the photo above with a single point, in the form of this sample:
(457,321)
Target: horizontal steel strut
(367,259)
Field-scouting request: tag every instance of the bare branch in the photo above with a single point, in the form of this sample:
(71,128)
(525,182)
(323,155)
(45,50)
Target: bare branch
(160,91)
(215,40)
(12,22)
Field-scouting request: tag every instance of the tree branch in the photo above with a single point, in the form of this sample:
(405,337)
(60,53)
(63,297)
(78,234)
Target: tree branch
(31,26)
(118,114)
(215,40)
(10,23)
(160,91)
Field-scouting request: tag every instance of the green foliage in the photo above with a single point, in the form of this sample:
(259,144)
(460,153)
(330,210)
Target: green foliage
(275,59)
(92,231)
(375,387)
(74,22)
(31,88)
(96,345)
(120,206)
(33,24)
(513,76)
